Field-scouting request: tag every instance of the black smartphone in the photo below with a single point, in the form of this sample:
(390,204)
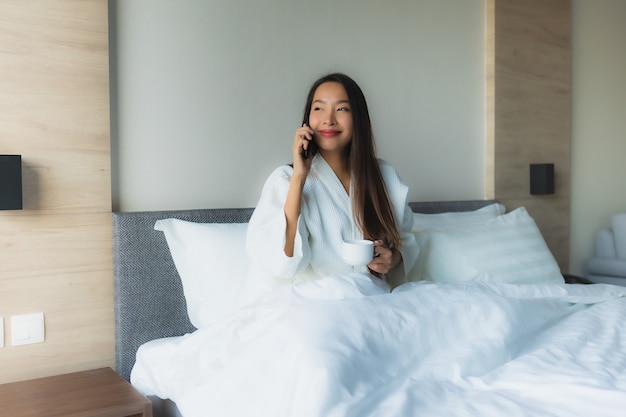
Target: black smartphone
(311,149)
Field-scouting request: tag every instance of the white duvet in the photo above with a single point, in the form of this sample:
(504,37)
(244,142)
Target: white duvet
(345,346)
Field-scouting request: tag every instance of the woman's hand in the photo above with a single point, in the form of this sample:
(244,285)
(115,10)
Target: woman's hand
(385,259)
(301,141)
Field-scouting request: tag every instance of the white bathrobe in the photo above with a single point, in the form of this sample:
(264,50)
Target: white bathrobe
(325,221)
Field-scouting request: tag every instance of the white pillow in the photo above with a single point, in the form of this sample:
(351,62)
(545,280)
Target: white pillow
(619,233)
(212,263)
(508,248)
(423,221)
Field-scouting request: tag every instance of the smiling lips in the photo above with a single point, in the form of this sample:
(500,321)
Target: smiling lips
(329,133)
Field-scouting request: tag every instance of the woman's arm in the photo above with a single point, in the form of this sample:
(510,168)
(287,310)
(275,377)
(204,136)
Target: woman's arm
(402,259)
(293,206)
(265,242)
(293,203)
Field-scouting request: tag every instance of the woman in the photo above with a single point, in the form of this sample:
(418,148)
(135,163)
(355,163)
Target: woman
(335,190)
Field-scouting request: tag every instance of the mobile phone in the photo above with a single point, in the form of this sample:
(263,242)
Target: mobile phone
(312,148)
(310,151)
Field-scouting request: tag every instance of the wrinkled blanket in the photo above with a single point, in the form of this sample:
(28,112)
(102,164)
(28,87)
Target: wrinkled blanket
(346,346)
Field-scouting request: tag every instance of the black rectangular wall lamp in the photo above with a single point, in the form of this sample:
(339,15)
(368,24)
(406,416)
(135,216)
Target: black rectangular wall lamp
(541,179)
(10,182)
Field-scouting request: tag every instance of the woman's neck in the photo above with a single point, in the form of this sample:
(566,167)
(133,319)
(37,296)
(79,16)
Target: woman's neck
(340,166)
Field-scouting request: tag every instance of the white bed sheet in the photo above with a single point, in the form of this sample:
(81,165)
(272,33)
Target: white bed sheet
(468,349)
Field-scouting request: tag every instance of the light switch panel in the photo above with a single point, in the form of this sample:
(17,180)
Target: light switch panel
(1,332)
(27,329)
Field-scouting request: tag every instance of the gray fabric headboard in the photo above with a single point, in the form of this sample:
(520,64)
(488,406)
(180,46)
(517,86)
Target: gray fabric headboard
(149,301)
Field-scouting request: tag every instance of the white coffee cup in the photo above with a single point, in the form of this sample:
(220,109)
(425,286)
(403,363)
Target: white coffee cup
(357,252)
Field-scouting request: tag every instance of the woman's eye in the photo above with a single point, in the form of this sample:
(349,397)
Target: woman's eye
(317,108)
(343,109)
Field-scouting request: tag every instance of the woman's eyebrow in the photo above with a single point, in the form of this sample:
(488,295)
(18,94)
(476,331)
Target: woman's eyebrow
(323,100)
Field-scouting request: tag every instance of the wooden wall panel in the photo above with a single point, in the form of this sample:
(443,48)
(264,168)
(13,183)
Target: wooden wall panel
(528,71)
(56,254)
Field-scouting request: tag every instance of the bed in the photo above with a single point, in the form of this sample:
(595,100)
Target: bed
(477,331)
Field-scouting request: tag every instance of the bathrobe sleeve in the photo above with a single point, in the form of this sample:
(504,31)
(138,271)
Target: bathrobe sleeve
(399,196)
(265,241)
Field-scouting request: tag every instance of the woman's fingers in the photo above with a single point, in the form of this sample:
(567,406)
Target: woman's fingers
(383,258)
(304,134)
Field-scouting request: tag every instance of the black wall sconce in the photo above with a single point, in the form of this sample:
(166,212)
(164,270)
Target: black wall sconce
(10,182)
(541,179)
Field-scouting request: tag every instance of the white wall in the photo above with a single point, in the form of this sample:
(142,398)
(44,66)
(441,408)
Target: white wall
(599,122)
(206,95)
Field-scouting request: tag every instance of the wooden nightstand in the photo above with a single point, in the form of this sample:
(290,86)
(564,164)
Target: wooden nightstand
(95,393)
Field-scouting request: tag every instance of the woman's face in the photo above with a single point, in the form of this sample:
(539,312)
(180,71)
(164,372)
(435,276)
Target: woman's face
(331,117)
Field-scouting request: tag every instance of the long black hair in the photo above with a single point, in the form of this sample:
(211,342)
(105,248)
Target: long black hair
(370,201)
